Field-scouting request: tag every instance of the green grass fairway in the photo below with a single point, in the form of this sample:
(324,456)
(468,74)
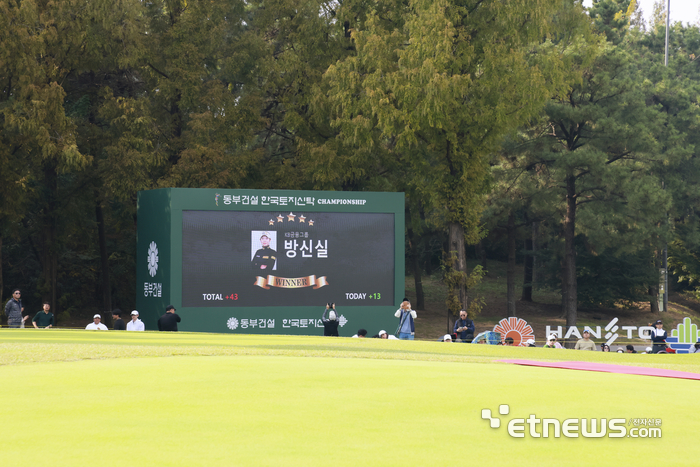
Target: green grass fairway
(79,398)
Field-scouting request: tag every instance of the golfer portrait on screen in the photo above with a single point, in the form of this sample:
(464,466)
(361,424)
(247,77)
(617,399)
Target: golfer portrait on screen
(263,243)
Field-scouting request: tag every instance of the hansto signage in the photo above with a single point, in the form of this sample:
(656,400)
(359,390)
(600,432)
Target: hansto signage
(609,332)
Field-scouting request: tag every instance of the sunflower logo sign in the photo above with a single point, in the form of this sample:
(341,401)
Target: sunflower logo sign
(516,328)
(153,259)
(152,289)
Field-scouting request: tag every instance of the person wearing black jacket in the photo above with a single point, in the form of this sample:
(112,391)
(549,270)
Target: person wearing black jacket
(14,310)
(658,337)
(265,257)
(464,327)
(119,324)
(168,322)
(330,325)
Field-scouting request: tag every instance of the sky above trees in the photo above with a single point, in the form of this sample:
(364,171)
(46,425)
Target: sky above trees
(685,11)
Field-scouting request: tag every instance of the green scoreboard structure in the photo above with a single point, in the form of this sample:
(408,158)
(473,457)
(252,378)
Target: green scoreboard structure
(268,261)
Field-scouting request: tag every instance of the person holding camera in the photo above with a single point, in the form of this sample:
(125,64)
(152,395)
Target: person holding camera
(330,324)
(406,329)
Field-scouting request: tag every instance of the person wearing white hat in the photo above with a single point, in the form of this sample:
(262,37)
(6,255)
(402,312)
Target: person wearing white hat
(552,343)
(135,324)
(96,325)
(382,334)
(447,338)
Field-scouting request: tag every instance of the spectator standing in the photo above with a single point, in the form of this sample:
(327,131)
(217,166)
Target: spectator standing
(43,319)
(585,343)
(135,324)
(464,327)
(96,325)
(168,322)
(118,321)
(330,324)
(14,310)
(658,337)
(407,328)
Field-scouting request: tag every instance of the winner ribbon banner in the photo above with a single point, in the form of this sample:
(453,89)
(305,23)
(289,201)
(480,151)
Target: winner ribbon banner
(291,283)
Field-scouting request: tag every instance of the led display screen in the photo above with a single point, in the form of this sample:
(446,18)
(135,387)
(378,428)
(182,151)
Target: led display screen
(264,259)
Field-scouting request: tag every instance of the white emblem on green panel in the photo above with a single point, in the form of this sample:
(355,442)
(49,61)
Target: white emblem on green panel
(152,259)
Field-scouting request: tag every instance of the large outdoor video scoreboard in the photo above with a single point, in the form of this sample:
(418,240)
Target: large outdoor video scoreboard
(267,261)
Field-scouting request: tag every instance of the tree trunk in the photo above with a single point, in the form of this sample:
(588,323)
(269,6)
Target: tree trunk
(564,289)
(481,254)
(510,274)
(49,255)
(2,284)
(415,262)
(535,234)
(459,263)
(527,276)
(104,259)
(425,238)
(569,279)
(654,288)
(654,299)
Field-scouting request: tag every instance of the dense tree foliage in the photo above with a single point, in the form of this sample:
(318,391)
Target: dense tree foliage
(512,128)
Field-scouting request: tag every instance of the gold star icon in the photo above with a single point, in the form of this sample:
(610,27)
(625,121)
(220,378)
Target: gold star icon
(302,218)
(291,217)
(280,218)
(311,222)
(272,222)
